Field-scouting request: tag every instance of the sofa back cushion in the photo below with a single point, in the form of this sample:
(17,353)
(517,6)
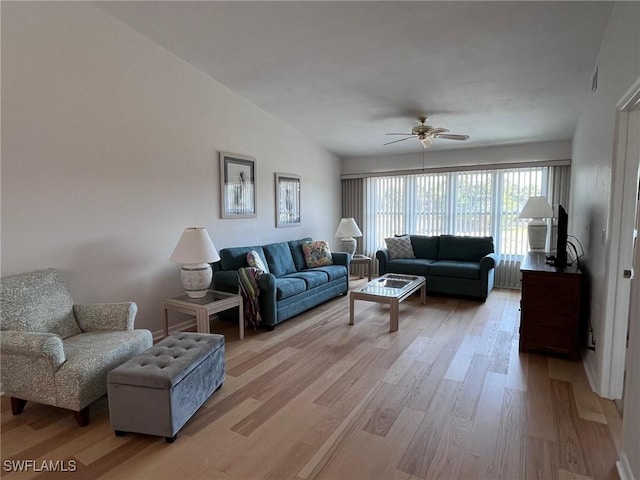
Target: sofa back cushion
(466,249)
(256,260)
(317,254)
(425,247)
(38,302)
(279,258)
(399,247)
(296,252)
(234,258)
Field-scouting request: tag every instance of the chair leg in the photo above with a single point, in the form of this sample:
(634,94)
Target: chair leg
(82,416)
(17,405)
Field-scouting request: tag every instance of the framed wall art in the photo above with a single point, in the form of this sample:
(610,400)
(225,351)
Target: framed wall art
(288,210)
(237,186)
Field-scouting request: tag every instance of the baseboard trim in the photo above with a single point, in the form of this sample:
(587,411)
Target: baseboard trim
(591,374)
(624,469)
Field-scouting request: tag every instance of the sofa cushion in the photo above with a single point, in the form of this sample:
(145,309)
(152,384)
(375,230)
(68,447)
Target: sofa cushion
(311,279)
(410,266)
(399,247)
(254,259)
(279,258)
(234,258)
(286,287)
(466,249)
(297,254)
(425,247)
(317,254)
(456,269)
(333,272)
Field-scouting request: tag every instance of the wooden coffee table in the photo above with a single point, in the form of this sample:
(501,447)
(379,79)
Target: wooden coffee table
(391,288)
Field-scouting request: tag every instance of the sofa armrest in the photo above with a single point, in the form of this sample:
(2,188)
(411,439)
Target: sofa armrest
(34,345)
(268,299)
(341,258)
(489,261)
(106,316)
(383,257)
(267,282)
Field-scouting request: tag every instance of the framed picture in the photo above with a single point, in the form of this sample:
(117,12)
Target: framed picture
(237,186)
(288,210)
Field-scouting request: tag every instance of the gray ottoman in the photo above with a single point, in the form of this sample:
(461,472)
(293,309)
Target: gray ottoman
(158,391)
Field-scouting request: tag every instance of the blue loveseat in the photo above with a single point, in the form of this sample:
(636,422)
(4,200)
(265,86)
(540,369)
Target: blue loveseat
(455,265)
(290,287)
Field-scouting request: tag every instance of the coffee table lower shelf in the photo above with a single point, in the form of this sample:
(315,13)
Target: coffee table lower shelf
(377,291)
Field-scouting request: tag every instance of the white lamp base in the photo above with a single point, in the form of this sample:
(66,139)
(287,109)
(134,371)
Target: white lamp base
(537,230)
(348,245)
(196,279)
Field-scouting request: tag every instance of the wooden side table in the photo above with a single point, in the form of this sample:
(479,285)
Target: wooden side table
(202,308)
(362,260)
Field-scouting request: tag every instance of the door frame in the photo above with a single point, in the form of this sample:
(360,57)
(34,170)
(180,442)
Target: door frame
(613,354)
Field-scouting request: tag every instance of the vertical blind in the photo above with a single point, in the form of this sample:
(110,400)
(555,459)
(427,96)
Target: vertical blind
(476,203)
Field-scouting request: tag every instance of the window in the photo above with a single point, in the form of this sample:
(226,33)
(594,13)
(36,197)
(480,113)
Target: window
(478,203)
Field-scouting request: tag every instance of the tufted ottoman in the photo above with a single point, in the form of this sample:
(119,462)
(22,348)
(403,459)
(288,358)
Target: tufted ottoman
(159,390)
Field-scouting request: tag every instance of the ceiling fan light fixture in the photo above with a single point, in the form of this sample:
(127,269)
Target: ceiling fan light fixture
(426,133)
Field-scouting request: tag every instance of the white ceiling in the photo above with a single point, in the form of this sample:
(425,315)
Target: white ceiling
(345,73)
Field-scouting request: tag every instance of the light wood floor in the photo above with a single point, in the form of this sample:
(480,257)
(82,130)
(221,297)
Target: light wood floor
(447,396)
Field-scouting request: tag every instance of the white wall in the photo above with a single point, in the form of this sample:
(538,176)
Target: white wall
(110,149)
(593,146)
(560,150)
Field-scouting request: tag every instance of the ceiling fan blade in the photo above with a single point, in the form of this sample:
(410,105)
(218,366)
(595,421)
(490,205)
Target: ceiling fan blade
(452,136)
(401,140)
(437,131)
(398,134)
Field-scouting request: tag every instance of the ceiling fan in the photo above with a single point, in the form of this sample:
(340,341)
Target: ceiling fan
(426,134)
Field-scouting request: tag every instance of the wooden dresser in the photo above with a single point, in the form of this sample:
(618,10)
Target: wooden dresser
(550,307)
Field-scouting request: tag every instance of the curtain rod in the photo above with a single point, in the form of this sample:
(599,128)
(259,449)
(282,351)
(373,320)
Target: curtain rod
(492,166)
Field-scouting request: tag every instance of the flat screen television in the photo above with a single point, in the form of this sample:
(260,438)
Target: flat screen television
(561,244)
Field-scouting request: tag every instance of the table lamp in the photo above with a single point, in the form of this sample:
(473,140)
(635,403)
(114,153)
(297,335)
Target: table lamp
(347,229)
(195,251)
(537,209)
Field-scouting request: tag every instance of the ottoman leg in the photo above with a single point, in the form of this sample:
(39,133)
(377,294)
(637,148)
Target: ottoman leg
(120,433)
(171,439)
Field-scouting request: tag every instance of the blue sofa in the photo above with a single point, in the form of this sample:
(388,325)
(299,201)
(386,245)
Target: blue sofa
(455,265)
(290,287)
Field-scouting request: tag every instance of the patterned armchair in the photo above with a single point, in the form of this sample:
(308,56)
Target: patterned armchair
(58,353)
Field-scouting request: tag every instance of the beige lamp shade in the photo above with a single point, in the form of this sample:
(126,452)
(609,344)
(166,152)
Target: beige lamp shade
(536,207)
(194,246)
(348,228)
(195,251)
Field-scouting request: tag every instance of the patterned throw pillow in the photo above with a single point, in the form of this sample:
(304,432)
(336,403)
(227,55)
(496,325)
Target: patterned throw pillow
(399,247)
(254,260)
(317,253)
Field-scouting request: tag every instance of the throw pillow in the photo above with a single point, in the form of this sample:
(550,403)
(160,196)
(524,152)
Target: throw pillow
(254,260)
(399,247)
(317,253)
